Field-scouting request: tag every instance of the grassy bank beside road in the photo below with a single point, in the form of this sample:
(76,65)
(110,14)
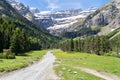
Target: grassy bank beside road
(70,60)
(21,61)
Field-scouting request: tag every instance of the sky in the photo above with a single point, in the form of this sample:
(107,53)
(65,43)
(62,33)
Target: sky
(51,5)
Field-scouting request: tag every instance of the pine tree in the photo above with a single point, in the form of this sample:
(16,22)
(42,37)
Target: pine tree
(24,41)
(80,46)
(75,45)
(14,42)
(71,45)
(19,42)
(1,44)
(97,45)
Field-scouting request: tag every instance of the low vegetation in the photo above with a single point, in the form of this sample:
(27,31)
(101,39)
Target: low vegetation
(68,61)
(111,34)
(70,73)
(21,61)
(115,44)
(7,54)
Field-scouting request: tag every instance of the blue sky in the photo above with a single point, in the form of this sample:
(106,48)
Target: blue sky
(47,5)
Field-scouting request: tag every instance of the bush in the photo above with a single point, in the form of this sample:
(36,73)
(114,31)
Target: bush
(1,55)
(7,54)
(10,55)
(118,55)
(111,54)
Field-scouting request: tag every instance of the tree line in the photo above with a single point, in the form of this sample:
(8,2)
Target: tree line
(13,36)
(94,44)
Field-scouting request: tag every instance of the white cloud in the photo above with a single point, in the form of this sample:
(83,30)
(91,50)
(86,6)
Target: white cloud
(52,4)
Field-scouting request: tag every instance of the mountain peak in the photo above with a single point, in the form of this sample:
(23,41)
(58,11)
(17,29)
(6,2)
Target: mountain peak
(57,21)
(34,10)
(116,0)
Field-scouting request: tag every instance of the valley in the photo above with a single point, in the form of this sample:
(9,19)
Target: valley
(67,65)
(54,40)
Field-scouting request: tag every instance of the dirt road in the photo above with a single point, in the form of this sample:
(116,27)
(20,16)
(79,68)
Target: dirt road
(103,75)
(43,70)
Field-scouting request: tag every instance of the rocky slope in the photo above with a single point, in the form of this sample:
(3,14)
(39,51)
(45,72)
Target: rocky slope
(107,17)
(55,22)
(29,13)
(67,21)
(22,9)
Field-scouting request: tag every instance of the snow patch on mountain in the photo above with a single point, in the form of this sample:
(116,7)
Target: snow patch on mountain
(56,21)
(65,22)
(68,23)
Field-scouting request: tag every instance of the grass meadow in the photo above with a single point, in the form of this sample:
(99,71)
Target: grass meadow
(67,61)
(8,65)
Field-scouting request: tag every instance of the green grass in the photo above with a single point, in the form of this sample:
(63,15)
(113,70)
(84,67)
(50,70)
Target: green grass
(21,61)
(68,73)
(100,63)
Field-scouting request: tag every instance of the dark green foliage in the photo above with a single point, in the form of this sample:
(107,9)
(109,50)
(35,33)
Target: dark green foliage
(19,41)
(87,31)
(76,45)
(94,44)
(1,45)
(15,36)
(19,34)
(84,31)
(71,45)
(7,54)
(69,34)
(113,33)
(115,44)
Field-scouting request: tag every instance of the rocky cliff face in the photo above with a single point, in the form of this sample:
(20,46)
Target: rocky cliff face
(67,21)
(108,15)
(30,14)
(22,9)
(55,22)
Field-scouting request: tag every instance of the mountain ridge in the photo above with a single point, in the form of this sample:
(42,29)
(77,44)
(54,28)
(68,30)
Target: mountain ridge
(106,18)
(49,20)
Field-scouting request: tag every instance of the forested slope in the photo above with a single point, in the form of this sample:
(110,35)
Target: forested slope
(19,34)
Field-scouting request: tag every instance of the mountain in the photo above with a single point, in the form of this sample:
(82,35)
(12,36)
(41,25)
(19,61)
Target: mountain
(55,22)
(22,9)
(32,14)
(34,10)
(15,30)
(67,21)
(65,13)
(106,18)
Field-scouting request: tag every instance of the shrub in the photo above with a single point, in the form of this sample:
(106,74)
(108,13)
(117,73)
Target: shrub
(111,54)
(1,55)
(7,54)
(10,55)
